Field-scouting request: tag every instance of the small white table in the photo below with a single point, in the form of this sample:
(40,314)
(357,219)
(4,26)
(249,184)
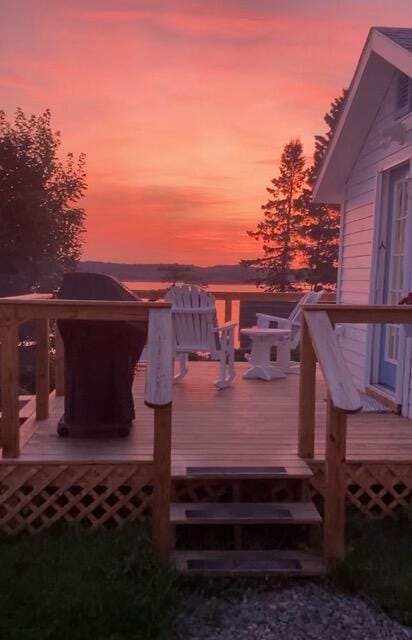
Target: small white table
(262,341)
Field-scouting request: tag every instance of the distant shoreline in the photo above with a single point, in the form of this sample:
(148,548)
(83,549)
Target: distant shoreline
(227,274)
(222,287)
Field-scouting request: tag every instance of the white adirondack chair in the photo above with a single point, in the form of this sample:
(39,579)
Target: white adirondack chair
(285,345)
(196,330)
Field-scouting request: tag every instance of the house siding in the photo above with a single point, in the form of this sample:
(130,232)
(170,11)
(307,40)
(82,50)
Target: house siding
(357,234)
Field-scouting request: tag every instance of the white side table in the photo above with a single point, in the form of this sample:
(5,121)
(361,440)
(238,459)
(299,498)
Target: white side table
(262,341)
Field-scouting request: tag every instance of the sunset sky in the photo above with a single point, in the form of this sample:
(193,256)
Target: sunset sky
(182,107)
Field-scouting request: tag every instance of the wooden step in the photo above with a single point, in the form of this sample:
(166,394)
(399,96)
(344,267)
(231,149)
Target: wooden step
(290,470)
(275,562)
(244,513)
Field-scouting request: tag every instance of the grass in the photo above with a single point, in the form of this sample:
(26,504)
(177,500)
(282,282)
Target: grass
(378,565)
(70,584)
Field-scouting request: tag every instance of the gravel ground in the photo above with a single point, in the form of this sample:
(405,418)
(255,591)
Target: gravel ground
(298,612)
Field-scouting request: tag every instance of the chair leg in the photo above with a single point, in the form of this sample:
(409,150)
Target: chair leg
(226,369)
(182,359)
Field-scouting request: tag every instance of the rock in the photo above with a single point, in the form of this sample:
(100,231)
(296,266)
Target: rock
(300,611)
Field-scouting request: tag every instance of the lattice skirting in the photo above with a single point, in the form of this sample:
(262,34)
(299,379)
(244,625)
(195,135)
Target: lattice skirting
(374,488)
(34,497)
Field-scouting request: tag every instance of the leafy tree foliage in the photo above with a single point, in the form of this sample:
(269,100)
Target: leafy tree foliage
(174,273)
(41,221)
(283,217)
(321,223)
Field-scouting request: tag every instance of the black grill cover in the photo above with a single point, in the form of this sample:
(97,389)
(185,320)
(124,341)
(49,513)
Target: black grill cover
(100,358)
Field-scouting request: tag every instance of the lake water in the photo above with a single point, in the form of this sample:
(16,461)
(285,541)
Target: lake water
(157,284)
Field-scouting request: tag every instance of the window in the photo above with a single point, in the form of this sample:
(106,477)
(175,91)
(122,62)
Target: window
(403,95)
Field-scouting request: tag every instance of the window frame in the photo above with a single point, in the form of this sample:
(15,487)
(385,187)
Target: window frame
(407,108)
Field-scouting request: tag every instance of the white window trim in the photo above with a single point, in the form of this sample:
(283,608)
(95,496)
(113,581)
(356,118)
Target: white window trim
(383,167)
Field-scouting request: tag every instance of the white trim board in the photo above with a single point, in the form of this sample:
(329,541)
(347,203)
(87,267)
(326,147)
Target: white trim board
(379,60)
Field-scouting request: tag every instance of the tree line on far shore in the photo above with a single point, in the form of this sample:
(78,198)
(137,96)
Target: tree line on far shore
(299,238)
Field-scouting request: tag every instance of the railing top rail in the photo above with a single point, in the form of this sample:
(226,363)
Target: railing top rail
(321,306)
(275,296)
(29,296)
(23,310)
(343,392)
(364,313)
(44,302)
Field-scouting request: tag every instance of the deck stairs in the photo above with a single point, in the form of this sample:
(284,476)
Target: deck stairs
(300,513)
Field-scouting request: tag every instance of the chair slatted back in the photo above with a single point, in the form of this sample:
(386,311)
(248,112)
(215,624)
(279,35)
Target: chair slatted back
(194,318)
(296,316)
(309,298)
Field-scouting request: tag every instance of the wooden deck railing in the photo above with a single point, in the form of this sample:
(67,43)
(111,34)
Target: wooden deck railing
(230,297)
(159,377)
(318,342)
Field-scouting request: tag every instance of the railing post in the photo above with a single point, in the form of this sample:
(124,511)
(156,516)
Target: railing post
(335,485)
(42,369)
(158,394)
(58,362)
(307,394)
(162,530)
(228,309)
(9,383)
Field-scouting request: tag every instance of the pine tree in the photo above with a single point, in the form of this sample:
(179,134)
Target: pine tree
(320,229)
(279,230)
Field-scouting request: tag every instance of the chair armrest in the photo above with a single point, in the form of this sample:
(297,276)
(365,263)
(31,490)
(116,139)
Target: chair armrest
(281,321)
(225,327)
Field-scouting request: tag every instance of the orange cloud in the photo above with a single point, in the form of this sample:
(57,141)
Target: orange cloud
(150,224)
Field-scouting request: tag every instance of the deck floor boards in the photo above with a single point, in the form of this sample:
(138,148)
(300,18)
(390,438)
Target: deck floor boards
(250,423)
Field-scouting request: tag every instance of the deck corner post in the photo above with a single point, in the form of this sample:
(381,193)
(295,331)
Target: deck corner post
(307,394)
(158,395)
(335,485)
(161,527)
(42,368)
(59,362)
(228,309)
(9,380)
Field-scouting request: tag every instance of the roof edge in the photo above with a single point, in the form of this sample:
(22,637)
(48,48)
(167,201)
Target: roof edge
(360,67)
(391,52)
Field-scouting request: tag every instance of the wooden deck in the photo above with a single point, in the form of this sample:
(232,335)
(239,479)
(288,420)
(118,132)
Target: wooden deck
(238,446)
(252,423)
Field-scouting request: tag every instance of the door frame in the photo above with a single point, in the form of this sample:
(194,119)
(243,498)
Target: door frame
(376,279)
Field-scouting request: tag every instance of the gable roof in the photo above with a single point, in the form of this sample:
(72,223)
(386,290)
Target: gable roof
(385,50)
(400,36)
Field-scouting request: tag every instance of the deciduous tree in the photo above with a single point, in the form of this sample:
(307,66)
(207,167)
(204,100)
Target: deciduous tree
(174,273)
(41,221)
